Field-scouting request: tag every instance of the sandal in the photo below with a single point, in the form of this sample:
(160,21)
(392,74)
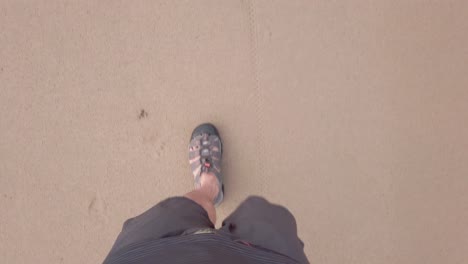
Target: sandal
(205,152)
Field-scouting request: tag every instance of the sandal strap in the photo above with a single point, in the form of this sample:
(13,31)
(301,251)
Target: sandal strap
(205,156)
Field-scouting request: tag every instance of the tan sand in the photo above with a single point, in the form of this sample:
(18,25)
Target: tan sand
(353,114)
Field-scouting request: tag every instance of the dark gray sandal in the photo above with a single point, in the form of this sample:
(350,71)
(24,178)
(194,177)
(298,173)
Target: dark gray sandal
(205,153)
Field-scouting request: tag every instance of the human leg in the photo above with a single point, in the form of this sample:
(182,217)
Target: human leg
(205,194)
(196,209)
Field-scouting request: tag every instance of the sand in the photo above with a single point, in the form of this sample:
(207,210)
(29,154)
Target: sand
(352,114)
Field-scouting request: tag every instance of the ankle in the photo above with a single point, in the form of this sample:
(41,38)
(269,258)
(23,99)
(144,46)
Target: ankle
(209,185)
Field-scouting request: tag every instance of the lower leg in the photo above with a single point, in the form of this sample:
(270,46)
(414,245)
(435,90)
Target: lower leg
(205,194)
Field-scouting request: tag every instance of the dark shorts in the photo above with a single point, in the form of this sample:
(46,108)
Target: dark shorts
(255,222)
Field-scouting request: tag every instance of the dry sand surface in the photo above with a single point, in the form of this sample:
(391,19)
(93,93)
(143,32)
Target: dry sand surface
(353,114)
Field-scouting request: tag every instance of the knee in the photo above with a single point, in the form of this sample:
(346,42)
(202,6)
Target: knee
(256,199)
